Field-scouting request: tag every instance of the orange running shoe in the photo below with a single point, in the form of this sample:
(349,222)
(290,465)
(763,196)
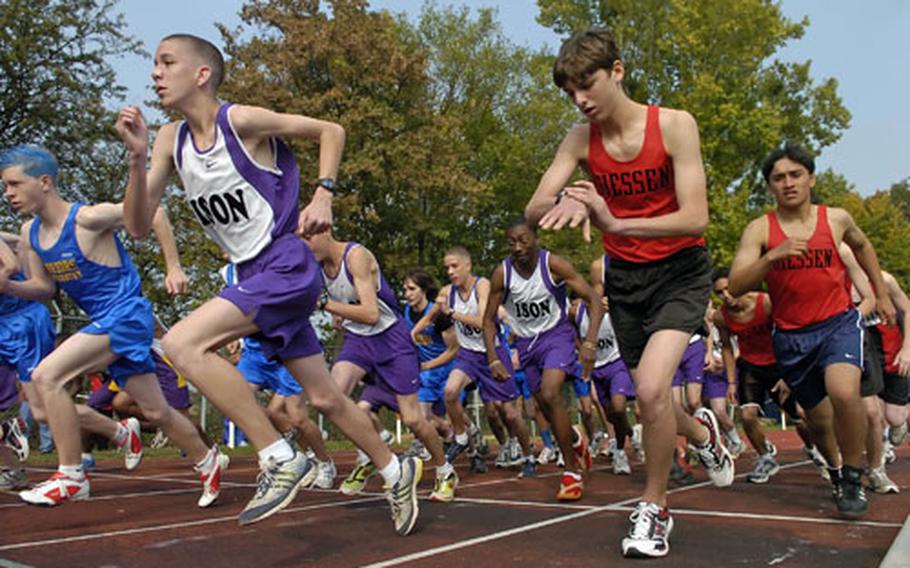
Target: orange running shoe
(570,487)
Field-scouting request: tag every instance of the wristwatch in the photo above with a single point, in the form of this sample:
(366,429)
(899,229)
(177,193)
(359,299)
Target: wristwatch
(327,183)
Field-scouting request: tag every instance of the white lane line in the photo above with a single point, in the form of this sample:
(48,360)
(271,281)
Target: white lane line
(170,526)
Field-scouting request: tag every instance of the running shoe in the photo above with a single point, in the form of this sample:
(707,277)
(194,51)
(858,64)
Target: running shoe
(88,462)
(56,490)
(477,440)
(132,446)
(502,458)
(159,441)
(357,479)
(611,449)
(571,487)
(818,460)
(418,450)
(713,456)
(276,486)
(546,455)
(444,488)
(765,467)
(13,479)
(325,474)
(478,465)
(13,437)
(680,470)
(649,535)
(516,457)
(736,448)
(581,449)
(455,449)
(888,453)
(881,483)
(851,497)
(897,434)
(637,444)
(528,469)
(211,479)
(621,463)
(402,496)
(598,444)
(560,461)
(770,448)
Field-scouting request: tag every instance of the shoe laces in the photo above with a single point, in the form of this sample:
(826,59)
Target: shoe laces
(643,519)
(266,477)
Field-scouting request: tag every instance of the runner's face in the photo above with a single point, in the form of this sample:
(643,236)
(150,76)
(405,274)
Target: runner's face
(720,288)
(457,268)
(596,97)
(25,193)
(791,183)
(413,294)
(175,72)
(522,245)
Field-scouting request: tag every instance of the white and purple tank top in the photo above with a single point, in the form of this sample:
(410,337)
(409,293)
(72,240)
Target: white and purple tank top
(242,205)
(469,337)
(607,346)
(535,304)
(341,289)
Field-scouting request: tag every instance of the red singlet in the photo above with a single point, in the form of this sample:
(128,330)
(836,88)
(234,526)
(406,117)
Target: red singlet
(754,335)
(641,188)
(807,289)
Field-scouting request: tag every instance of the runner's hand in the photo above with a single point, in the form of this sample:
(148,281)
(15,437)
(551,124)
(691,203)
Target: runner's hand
(791,246)
(568,211)
(902,360)
(783,391)
(176,282)
(885,308)
(499,371)
(133,131)
(316,217)
(731,394)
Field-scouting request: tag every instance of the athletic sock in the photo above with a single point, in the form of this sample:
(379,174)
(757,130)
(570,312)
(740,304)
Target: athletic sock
(444,470)
(733,435)
(72,471)
(461,439)
(279,450)
(362,457)
(391,473)
(121,436)
(547,438)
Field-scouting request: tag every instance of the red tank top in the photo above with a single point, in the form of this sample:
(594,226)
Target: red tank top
(642,187)
(808,289)
(892,341)
(754,336)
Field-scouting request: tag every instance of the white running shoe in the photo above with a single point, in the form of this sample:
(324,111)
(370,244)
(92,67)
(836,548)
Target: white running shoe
(132,447)
(713,456)
(881,483)
(325,474)
(211,479)
(621,463)
(13,437)
(649,535)
(546,455)
(637,443)
(56,490)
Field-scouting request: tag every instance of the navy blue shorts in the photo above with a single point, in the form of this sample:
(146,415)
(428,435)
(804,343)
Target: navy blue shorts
(804,354)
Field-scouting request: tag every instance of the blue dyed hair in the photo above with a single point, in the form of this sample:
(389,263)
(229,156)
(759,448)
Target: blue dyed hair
(35,161)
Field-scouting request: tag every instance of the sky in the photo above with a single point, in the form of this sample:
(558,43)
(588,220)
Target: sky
(856,43)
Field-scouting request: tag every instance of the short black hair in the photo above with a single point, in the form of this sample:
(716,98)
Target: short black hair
(790,151)
(720,272)
(520,221)
(424,281)
(207,51)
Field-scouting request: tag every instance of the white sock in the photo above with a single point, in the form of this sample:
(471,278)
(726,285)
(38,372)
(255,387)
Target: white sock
(72,471)
(462,438)
(86,456)
(391,473)
(362,457)
(280,450)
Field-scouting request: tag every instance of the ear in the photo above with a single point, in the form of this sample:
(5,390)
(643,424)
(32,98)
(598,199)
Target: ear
(203,75)
(618,71)
(47,183)
(811,181)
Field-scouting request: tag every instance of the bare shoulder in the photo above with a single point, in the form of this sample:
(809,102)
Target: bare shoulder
(166,136)
(576,140)
(24,231)
(678,128)
(757,230)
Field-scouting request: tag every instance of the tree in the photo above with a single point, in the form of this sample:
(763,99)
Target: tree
(715,59)
(57,90)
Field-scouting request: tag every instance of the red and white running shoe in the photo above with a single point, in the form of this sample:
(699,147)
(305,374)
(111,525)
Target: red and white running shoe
(211,479)
(59,488)
(132,447)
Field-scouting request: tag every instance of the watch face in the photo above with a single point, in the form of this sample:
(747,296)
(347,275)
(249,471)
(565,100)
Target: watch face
(327,183)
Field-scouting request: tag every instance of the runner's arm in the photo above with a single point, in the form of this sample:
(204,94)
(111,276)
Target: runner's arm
(749,265)
(38,284)
(363,271)
(175,279)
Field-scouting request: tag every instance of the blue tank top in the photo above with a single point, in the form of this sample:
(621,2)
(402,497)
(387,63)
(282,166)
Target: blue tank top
(10,303)
(95,288)
(429,342)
